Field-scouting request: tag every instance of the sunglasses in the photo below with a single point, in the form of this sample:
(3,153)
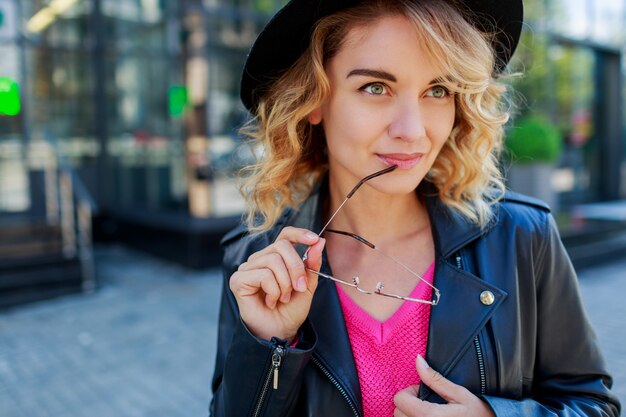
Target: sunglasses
(355,281)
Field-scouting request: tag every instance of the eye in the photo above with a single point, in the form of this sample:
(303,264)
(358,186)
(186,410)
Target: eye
(375,89)
(438,91)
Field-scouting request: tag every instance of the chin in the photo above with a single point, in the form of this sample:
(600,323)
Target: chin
(397,186)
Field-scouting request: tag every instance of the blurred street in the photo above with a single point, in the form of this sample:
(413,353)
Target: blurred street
(144,343)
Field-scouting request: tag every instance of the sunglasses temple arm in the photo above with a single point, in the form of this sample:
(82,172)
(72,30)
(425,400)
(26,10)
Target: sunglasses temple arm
(330,277)
(406,268)
(306,253)
(369,177)
(350,194)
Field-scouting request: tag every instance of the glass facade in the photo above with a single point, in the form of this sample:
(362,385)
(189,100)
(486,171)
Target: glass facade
(600,21)
(570,57)
(144,143)
(141,96)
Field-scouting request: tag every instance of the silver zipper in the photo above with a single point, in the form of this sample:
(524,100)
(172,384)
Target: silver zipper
(479,350)
(342,391)
(481,366)
(277,356)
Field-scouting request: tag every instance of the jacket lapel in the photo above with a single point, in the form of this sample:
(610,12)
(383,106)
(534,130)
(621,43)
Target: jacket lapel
(333,348)
(454,322)
(460,314)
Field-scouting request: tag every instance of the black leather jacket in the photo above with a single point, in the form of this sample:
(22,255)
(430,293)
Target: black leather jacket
(532,352)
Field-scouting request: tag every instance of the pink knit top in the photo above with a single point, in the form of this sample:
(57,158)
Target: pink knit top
(385,352)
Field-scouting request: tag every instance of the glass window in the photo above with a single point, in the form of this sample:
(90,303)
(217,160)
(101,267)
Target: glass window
(68,27)
(136,11)
(145,147)
(145,142)
(261,6)
(10,125)
(577,177)
(59,96)
(14,195)
(560,82)
(599,21)
(134,24)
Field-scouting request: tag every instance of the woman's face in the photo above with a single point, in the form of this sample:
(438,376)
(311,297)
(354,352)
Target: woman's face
(387,106)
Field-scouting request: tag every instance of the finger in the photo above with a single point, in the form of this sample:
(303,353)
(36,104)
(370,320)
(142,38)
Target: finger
(407,402)
(398,413)
(270,287)
(314,262)
(276,263)
(286,264)
(293,263)
(445,388)
(251,283)
(292,235)
(314,259)
(298,235)
(413,390)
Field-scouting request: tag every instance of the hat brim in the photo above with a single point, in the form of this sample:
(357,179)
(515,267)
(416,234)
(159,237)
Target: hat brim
(288,33)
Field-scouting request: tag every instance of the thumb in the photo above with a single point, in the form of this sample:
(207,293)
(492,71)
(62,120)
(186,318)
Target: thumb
(445,388)
(314,262)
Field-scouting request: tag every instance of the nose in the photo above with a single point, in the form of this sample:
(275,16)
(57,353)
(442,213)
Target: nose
(407,122)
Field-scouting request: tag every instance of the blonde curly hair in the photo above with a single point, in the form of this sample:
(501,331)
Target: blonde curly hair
(293,156)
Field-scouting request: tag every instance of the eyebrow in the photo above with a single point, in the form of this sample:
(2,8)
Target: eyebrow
(374,74)
(440,80)
(387,76)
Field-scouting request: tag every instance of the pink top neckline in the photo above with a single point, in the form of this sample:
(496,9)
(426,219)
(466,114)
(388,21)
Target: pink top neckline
(387,328)
(385,352)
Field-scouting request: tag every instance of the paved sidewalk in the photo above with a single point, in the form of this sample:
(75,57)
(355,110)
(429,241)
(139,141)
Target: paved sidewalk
(144,343)
(604,293)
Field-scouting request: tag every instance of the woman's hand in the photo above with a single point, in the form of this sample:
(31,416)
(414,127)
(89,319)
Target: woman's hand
(273,289)
(461,402)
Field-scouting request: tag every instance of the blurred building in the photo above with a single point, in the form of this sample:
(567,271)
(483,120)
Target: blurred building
(138,100)
(572,59)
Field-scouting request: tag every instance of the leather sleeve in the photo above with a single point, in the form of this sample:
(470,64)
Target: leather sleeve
(243,373)
(570,377)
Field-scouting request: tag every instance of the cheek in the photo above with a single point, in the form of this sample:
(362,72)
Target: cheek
(347,127)
(441,126)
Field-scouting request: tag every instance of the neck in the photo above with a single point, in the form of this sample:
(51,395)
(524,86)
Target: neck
(376,215)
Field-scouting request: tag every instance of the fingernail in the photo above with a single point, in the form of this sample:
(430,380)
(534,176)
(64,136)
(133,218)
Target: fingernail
(285,298)
(311,236)
(422,362)
(301,284)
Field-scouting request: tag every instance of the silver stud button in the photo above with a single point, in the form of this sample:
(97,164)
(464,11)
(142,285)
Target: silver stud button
(487,298)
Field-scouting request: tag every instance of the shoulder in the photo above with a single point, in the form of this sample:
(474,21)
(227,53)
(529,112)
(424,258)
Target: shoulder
(524,216)
(521,200)
(239,243)
(520,208)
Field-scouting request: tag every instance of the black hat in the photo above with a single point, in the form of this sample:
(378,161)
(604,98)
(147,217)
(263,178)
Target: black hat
(288,34)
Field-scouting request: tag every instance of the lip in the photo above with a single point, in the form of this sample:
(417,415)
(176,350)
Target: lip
(402,160)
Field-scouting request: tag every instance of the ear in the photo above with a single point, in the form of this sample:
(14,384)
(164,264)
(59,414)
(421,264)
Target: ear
(315,117)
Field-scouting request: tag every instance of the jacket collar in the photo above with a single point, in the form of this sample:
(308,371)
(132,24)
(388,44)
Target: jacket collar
(454,323)
(333,349)
(451,231)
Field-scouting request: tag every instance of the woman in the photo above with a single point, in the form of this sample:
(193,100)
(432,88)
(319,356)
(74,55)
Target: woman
(482,314)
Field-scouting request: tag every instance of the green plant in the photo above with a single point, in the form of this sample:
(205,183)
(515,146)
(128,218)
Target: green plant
(533,139)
